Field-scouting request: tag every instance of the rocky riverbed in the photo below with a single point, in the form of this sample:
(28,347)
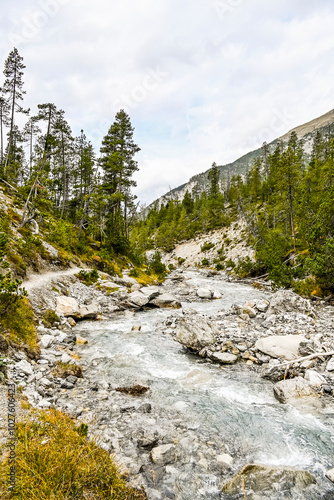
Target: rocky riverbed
(239,382)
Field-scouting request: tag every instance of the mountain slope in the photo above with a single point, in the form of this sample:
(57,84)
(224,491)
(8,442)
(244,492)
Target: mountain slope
(240,166)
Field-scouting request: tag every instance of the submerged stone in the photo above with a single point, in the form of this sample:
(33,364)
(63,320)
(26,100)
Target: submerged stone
(264,479)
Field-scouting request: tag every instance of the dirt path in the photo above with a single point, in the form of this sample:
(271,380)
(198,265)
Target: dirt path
(39,280)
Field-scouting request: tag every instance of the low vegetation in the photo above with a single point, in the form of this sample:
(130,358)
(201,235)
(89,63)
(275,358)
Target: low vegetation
(56,461)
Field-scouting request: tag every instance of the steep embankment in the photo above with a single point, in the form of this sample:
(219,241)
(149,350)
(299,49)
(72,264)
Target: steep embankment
(219,247)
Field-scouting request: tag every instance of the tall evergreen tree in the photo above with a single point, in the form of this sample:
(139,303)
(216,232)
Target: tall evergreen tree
(13,90)
(118,164)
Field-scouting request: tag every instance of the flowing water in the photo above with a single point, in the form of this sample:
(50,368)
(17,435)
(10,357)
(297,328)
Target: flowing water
(234,402)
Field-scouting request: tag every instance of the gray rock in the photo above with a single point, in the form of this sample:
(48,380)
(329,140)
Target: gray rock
(287,390)
(137,299)
(225,459)
(288,301)
(330,365)
(151,292)
(225,358)
(165,301)
(330,475)
(72,379)
(44,381)
(66,358)
(46,341)
(89,311)
(67,306)
(262,305)
(164,454)
(23,366)
(280,346)
(66,385)
(314,378)
(265,479)
(204,293)
(195,332)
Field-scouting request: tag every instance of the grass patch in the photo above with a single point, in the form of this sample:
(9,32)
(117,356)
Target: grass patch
(64,370)
(20,323)
(56,461)
(50,317)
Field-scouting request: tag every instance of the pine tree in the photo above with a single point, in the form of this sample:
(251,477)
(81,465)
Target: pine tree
(4,122)
(13,90)
(118,164)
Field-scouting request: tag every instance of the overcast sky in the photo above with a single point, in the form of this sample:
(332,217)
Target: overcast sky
(202,80)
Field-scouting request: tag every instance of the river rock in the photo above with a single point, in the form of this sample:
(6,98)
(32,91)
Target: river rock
(66,358)
(280,346)
(46,341)
(195,332)
(89,311)
(137,299)
(67,306)
(204,293)
(288,301)
(24,367)
(225,459)
(166,300)
(330,365)
(330,475)
(265,479)
(151,292)
(250,311)
(225,358)
(164,454)
(294,388)
(314,378)
(262,305)
(81,340)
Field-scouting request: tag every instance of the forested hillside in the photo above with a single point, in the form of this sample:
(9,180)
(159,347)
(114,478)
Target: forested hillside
(287,203)
(82,204)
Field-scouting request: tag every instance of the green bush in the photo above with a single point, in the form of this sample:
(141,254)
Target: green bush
(157,267)
(205,262)
(207,246)
(88,277)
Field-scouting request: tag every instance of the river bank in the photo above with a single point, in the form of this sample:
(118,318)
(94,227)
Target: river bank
(210,408)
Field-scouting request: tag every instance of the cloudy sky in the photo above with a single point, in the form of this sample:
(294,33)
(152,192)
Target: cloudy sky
(203,80)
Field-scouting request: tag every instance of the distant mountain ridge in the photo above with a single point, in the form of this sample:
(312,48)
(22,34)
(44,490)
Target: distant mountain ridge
(240,166)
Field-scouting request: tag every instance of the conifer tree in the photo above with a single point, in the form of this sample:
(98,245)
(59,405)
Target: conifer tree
(118,164)
(13,91)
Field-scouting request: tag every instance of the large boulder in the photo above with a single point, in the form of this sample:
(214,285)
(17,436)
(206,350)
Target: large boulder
(288,301)
(288,390)
(137,299)
(266,479)
(67,306)
(166,300)
(195,332)
(280,346)
(330,365)
(89,311)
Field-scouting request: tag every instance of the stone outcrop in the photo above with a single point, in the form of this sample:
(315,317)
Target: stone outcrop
(280,346)
(288,301)
(287,390)
(265,479)
(194,331)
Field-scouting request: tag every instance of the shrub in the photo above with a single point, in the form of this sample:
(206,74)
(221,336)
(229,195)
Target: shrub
(55,460)
(207,246)
(88,277)
(156,266)
(50,317)
(64,370)
(205,262)
(19,321)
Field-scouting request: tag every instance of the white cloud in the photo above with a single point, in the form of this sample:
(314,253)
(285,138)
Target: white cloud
(228,77)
